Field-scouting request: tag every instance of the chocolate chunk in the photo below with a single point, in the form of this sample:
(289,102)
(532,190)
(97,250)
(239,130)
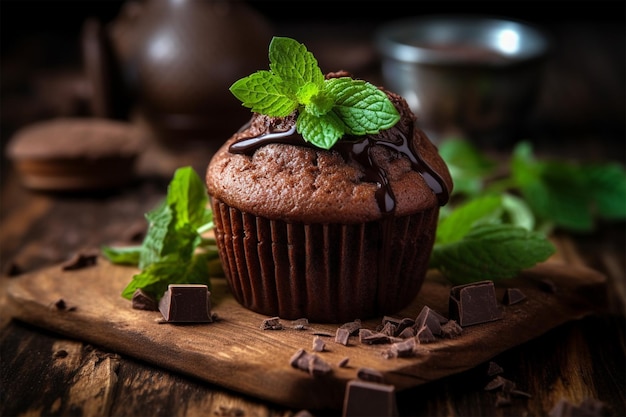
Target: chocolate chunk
(143,301)
(404,349)
(425,335)
(344,362)
(451,329)
(310,363)
(365,399)
(431,319)
(81,260)
(62,305)
(513,296)
(318,344)
(300,324)
(407,333)
(186,303)
(372,338)
(342,336)
(474,303)
(369,374)
(400,324)
(272,323)
(388,329)
(494,369)
(352,327)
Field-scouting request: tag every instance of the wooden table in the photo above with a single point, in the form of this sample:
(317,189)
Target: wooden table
(45,373)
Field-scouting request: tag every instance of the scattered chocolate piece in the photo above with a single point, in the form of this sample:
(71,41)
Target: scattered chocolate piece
(310,363)
(400,324)
(431,319)
(503,399)
(272,323)
(451,329)
(587,408)
(344,362)
(318,344)
(369,374)
(500,383)
(81,260)
(404,349)
(425,335)
(143,301)
(353,326)
(300,324)
(372,338)
(323,334)
(62,305)
(407,333)
(494,369)
(513,296)
(342,336)
(365,399)
(388,329)
(186,303)
(474,303)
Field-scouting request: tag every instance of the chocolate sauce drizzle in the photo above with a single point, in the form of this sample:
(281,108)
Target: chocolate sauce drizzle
(359,150)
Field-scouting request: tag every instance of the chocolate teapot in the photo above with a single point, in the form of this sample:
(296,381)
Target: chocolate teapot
(169,64)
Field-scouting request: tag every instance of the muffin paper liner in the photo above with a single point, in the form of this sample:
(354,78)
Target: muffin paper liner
(324,272)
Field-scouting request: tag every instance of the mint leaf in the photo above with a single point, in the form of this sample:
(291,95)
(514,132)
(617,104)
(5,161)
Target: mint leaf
(491,252)
(128,255)
(330,108)
(187,193)
(322,132)
(263,93)
(468,167)
(460,220)
(607,187)
(155,279)
(294,64)
(363,108)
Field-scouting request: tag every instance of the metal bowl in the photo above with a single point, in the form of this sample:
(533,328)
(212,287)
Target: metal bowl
(473,76)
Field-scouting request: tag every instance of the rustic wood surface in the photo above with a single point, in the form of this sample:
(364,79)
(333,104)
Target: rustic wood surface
(46,372)
(234,352)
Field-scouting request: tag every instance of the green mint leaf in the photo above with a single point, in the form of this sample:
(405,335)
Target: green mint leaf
(128,255)
(606,184)
(323,131)
(155,279)
(555,191)
(460,220)
(187,194)
(491,252)
(468,167)
(294,64)
(264,93)
(361,106)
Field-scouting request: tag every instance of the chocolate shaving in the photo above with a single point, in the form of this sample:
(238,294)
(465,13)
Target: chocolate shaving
(513,296)
(272,323)
(344,362)
(143,301)
(372,338)
(369,374)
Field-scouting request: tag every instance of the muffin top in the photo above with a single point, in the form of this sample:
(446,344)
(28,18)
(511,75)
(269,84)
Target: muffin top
(70,138)
(267,169)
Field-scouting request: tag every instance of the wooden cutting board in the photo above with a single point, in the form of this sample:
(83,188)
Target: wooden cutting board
(234,352)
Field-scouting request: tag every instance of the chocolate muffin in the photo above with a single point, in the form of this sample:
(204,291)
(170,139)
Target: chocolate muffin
(330,235)
(75,154)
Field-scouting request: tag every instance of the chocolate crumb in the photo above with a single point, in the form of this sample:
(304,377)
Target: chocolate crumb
(143,301)
(501,383)
(62,305)
(61,353)
(310,363)
(494,369)
(513,296)
(451,329)
(81,260)
(369,374)
(318,344)
(344,362)
(272,323)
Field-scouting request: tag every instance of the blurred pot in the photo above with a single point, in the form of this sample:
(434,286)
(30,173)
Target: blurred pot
(474,76)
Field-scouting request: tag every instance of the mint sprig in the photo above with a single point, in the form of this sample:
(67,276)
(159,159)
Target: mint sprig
(173,251)
(500,220)
(327,109)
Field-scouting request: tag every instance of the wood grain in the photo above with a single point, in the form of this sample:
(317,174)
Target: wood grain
(236,354)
